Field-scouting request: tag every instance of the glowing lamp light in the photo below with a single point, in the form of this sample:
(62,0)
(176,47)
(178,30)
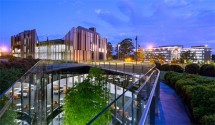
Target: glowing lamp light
(150,47)
(127,59)
(3,49)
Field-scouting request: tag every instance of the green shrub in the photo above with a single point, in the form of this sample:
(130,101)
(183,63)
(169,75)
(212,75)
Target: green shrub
(197,92)
(198,112)
(182,82)
(174,79)
(176,68)
(203,101)
(192,68)
(207,70)
(187,94)
(168,76)
(7,77)
(192,76)
(9,116)
(165,67)
(208,120)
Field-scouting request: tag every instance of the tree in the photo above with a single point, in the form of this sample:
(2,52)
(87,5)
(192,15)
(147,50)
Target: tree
(213,57)
(126,48)
(7,77)
(160,56)
(140,54)
(187,56)
(109,51)
(87,99)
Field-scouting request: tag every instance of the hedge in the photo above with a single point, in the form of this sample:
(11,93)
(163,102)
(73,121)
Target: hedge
(208,119)
(176,68)
(204,70)
(207,70)
(165,67)
(192,68)
(197,92)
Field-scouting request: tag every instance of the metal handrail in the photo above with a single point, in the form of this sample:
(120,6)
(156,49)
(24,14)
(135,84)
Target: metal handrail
(144,116)
(92,120)
(139,89)
(35,65)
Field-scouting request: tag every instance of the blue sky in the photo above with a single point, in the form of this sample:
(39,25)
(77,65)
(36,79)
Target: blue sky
(156,22)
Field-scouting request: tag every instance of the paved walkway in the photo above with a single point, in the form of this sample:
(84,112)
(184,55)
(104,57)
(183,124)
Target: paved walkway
(171,109)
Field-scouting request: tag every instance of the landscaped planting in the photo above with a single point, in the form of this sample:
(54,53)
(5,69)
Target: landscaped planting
(204,70)
(87,99)
(192,68)
(207,70)
(165,67)
(12,70)
(197,92)
(9,116)
(176,68)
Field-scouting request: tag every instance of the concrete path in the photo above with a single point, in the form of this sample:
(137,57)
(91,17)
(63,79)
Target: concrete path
(171,109)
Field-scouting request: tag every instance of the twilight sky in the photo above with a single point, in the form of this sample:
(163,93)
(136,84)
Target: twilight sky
(156,22)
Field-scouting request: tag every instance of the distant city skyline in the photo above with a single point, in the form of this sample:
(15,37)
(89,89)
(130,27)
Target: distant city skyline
(155,22)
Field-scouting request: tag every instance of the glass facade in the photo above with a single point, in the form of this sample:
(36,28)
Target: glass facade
(79,44)
(201,53)
(50,52)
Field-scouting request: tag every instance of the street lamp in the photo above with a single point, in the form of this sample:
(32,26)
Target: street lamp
(136,49)
(118,50)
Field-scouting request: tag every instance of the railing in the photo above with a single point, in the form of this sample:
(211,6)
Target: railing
(9,92)
(26,73)
(132,107)
(131,68)
(151,109)
(5,107)
(126,101)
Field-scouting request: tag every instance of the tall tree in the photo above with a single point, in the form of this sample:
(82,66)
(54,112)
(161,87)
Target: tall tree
(140,54)
(213,57)
(126,48)
(109,51)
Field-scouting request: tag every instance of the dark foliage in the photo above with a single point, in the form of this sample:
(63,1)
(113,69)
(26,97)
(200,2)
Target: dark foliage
(165,67)
(192,68)
(207,70)
(12,70)
(158,65)
(197,92)
(176,68)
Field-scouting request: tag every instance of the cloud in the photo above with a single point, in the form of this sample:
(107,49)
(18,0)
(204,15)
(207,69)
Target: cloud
(109,17)
(98,11)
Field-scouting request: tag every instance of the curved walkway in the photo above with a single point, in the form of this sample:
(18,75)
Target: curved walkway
(171,109)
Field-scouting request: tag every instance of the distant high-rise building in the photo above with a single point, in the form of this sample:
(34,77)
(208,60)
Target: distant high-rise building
(168,53)
(79,44)
(201,53)
(173,52)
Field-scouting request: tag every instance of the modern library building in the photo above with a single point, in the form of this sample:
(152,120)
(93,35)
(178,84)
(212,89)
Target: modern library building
(79,44)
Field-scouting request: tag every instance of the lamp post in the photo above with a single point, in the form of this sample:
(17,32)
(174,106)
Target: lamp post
(136,49)
(118,50)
